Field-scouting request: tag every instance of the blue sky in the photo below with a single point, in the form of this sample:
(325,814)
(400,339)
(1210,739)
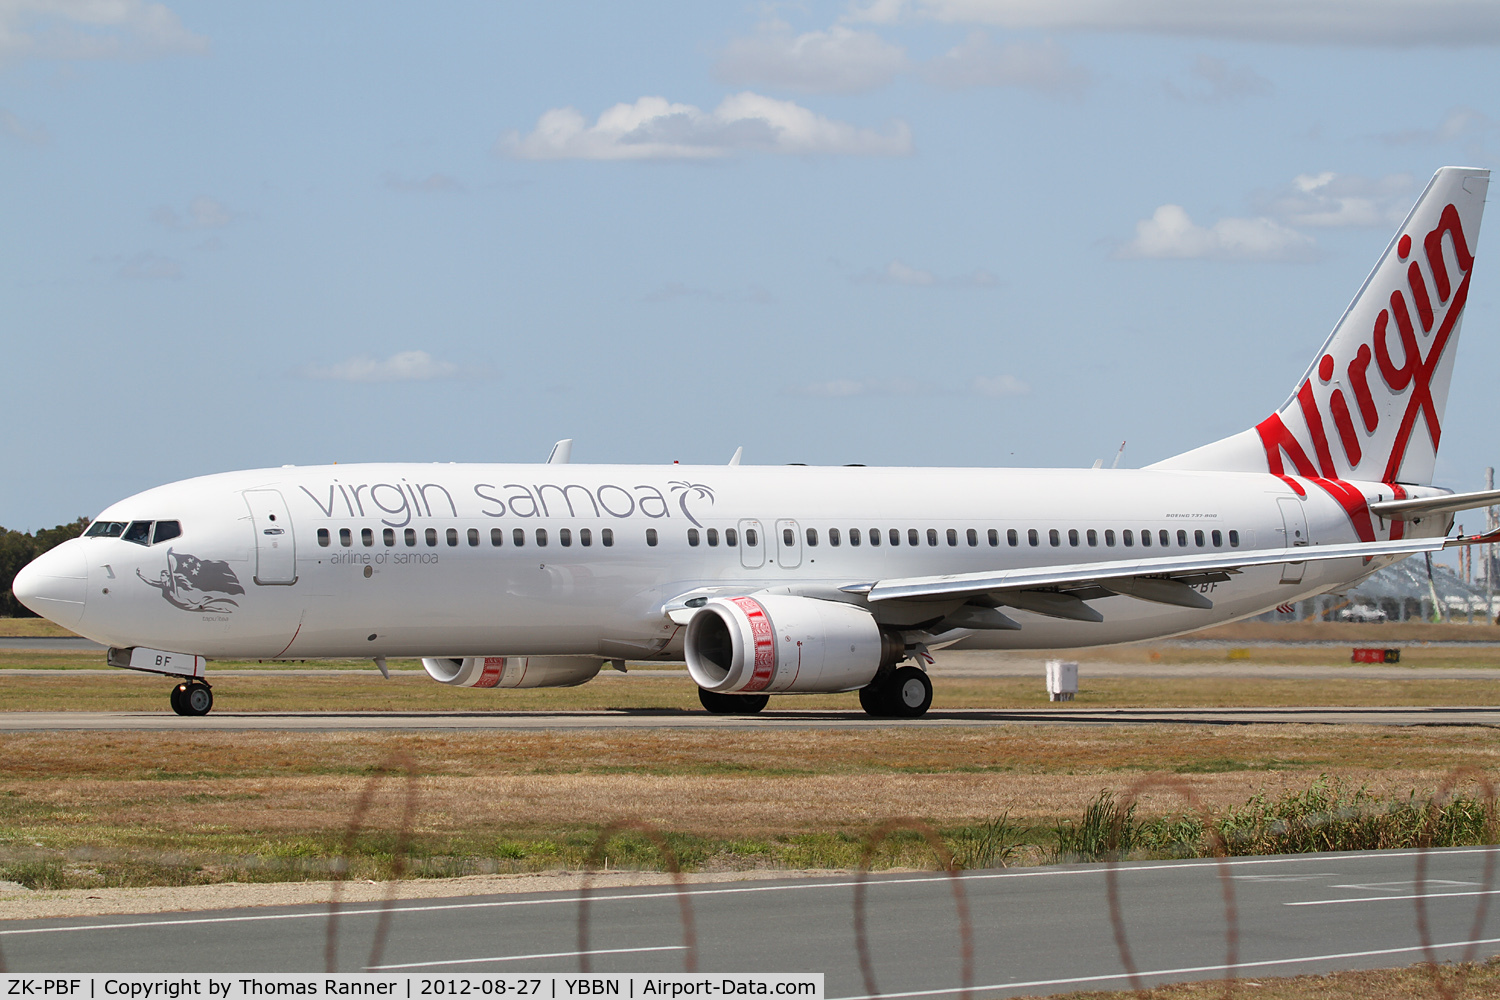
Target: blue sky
(930,232)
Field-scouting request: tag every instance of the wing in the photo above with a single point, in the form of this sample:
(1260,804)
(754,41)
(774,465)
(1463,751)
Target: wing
(1060,591)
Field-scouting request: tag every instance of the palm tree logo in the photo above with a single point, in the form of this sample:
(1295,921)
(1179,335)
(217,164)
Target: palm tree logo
(689,491)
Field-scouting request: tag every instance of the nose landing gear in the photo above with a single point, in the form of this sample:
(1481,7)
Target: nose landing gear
(192,698)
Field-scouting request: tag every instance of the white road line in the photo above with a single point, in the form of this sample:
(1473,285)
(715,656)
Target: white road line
(1388,899)
(1146,973)
(522,958)
(874,883)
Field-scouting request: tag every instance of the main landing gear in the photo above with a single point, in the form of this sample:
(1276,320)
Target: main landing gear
(192,698)
(905,693)
(732,704)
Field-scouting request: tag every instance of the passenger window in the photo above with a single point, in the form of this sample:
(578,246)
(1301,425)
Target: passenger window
(1198,539)
(1109,537)
(895,536)
(1032,538)
(165,530)
(1234,539)
(812,536)
(713,536)
(650,536)
(565,537)
(1073,537)
(972,537)
(607,536)
(1128,537)
(1165,537)
(1012,538)
(388,536)
(497,537)
(752,537)
(931,536)
(346,537)
(367,536)
(138,532)
(1054,538)
(452,536)
(105,529)
(430,536)
(1217,537)
(693,537)
(854,536)
(874,536)
(585,537)
(788,537)
(913,536)
(518,536)
(833,536)
(1093,538)
(411,536)
(541,537)
(994,537)
(1146,538)
(473,537)
(732,537)
(323,538)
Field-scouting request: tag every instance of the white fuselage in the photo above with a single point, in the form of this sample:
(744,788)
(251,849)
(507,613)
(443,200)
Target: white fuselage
(474,560)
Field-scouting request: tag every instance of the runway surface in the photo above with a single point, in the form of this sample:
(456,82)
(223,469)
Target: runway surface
(1034,931)
(678,719)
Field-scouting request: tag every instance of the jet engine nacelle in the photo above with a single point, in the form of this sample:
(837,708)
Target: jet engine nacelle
(769,643)
(512,671)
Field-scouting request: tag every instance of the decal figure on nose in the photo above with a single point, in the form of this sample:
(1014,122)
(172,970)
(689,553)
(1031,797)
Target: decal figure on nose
(194,584)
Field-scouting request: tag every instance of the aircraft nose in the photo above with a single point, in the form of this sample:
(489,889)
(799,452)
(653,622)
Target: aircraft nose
(53,584)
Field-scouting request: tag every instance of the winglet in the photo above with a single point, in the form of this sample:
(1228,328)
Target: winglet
(561,452)
(738,454)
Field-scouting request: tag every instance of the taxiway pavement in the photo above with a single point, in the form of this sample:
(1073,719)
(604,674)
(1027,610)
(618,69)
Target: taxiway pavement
(1057,715)
(1034,930)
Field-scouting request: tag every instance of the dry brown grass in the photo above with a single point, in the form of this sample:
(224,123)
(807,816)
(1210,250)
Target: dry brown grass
(1410,983)
(17,627)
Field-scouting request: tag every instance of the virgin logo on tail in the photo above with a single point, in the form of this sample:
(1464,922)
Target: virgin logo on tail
(1412,379)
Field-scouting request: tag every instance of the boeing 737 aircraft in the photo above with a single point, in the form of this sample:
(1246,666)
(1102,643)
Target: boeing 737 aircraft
(787,580)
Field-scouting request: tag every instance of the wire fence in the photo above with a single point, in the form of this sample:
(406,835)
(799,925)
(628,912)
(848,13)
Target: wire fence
(401,768)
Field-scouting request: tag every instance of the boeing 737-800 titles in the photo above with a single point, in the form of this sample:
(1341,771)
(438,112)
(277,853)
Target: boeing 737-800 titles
(785,580)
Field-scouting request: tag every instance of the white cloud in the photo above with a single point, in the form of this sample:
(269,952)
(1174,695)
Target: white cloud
(995,386)
(1171,233)
(1332,199)
(202,213)
(988,386)
(1456,124)
(1340,22)
(92,29)
(32,135)
(148,266)
(1215,81)
(431,184)
(654,129)
(980,62)
(840,60)
(898,272)
(403,366)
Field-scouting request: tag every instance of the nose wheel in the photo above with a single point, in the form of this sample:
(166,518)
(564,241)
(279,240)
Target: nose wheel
(192,698)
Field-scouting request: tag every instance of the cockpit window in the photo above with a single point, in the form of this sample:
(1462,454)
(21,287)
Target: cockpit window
(166,530)
(138,532)
(105,529)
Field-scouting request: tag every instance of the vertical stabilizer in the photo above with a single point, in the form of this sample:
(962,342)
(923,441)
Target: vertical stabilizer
(1370,406)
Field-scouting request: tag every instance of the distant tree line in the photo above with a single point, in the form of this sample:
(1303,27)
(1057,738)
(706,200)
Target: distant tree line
(19,548)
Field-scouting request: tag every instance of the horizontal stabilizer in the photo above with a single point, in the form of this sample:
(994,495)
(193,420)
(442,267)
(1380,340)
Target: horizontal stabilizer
(1410,510)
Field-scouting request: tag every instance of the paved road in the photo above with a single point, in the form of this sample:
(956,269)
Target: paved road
(678,719)
(1040,930)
